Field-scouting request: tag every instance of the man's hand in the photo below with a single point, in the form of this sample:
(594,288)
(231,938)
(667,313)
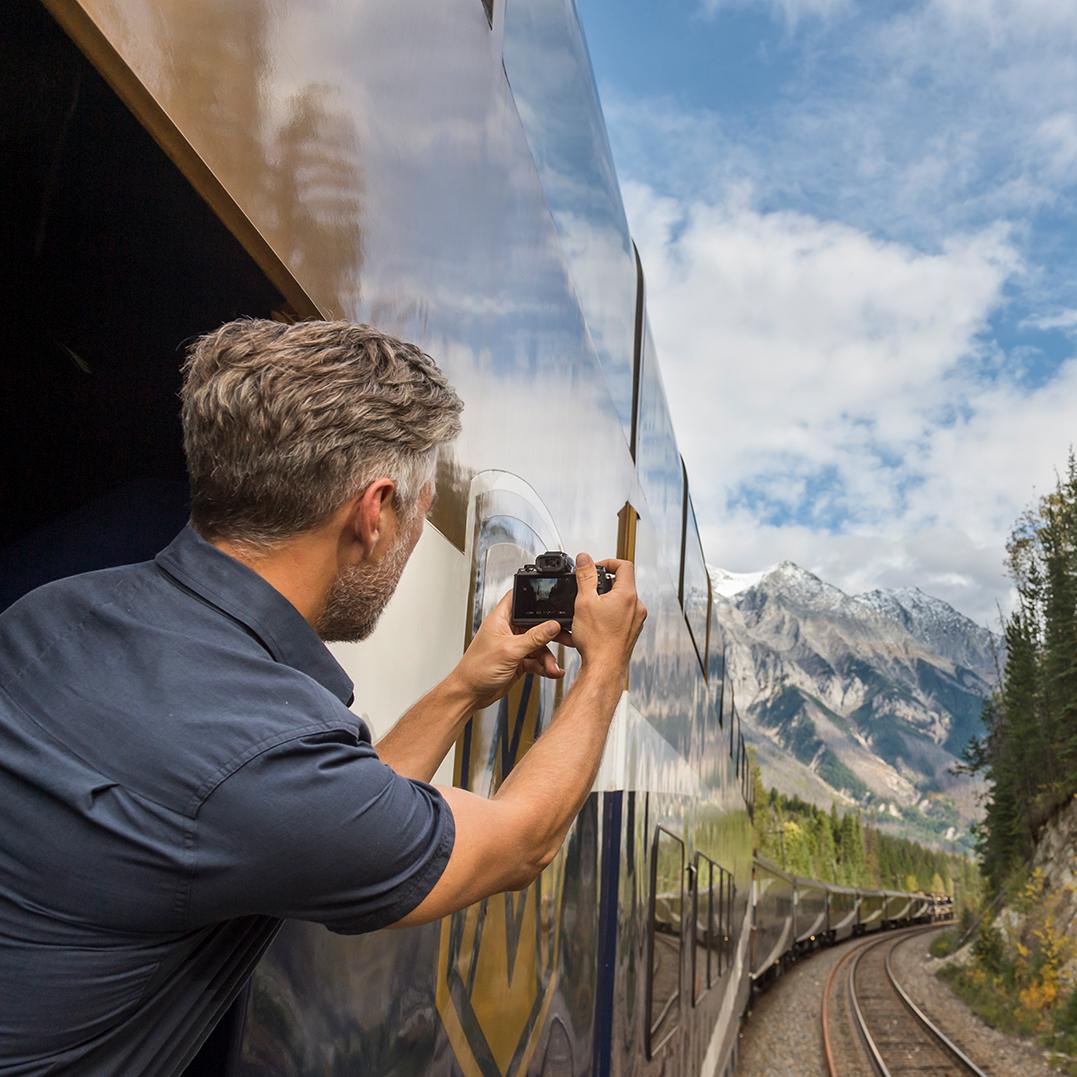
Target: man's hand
(504,842)
(498,655)
(605,627)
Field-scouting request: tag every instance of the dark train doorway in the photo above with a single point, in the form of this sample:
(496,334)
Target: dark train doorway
(116,262)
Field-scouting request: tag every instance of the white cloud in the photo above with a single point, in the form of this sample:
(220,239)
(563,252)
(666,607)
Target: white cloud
(789,11)
(1065,320)
(826,275)
(846,380)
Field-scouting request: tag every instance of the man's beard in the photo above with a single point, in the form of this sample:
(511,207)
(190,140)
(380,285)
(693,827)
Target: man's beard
(359,595)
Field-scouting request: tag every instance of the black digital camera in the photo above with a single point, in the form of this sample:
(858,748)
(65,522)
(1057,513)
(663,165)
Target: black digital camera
(546,590)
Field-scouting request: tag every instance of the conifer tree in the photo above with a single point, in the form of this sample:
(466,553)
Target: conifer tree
(1028,753)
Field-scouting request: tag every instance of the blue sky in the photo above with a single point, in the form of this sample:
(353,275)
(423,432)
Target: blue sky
(858,227)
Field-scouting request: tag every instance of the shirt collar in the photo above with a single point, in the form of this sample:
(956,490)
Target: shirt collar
(241,593)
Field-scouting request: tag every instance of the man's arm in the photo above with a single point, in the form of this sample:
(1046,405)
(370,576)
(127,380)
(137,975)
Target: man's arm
(420,740)
(503,843)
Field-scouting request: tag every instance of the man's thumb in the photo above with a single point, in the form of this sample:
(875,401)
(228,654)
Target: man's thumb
(542,634)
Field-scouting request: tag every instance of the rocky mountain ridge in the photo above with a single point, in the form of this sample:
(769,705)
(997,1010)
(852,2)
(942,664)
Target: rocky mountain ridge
(866,699)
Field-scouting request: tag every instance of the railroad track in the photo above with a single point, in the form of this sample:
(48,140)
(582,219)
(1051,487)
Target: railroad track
(878,1024)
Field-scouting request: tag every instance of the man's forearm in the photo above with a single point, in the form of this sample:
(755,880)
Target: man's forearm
(421,739)
(551,782)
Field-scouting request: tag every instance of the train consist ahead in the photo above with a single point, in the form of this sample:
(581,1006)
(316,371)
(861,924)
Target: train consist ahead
(791,916)
(439,168)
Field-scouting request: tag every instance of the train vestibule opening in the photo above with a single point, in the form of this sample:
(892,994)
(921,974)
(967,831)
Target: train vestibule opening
(116,261)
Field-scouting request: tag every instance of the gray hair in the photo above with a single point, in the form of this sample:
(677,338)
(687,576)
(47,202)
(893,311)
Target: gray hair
(282,424)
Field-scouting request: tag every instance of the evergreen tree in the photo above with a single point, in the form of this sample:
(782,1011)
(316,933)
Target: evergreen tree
(1028,753)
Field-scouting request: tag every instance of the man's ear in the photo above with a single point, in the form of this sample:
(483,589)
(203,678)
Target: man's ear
(371,518)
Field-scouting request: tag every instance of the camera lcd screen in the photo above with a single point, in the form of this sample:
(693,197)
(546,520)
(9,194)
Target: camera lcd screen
(545,597)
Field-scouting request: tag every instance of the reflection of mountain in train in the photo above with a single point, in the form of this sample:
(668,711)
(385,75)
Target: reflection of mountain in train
(868,698)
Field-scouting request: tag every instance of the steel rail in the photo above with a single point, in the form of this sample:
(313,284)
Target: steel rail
(855,955)
(924,1020)
(869,1043)
(831,1065)
(831,1068)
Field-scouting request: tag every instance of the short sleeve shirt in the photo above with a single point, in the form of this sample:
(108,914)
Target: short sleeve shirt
(179,770)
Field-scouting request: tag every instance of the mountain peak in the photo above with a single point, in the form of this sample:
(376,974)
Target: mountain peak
(730,584)
(867,697)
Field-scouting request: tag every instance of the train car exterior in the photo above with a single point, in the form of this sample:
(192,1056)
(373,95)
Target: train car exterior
(872,909)
(921,909)
(898,908)
(843,910)
(441,170)
(811,912)
(773,920)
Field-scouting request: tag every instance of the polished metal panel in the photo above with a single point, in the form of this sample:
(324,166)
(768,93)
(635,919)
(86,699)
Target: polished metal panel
(377,151)
(898,906)
(666,941)
(658,460)
(377,156)
(772,933)
(552,83)
(872,907)
(842,910)
(810,909)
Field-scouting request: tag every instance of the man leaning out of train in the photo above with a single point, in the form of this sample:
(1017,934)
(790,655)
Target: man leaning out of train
(180,768)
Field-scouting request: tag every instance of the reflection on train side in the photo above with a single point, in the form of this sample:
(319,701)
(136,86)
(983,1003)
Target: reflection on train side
(503,993)
(546,62)
(436,225)
(667,907)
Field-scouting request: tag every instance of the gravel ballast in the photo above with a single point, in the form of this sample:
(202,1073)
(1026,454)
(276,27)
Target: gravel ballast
(993,1051)
(783,1035)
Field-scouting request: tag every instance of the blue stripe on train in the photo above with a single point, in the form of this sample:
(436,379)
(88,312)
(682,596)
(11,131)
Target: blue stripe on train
(609,879)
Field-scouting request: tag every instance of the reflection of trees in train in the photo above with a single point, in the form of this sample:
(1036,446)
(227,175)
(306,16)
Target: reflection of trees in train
(666,985)
(668,874)
(294,169)
(216,56)
(318,190)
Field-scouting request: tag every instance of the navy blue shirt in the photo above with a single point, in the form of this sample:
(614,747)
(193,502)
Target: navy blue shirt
(178,771)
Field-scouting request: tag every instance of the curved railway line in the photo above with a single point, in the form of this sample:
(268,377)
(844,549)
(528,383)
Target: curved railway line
(873,1021)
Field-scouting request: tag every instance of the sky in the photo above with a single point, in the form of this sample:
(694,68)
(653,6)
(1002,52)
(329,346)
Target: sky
(857,224)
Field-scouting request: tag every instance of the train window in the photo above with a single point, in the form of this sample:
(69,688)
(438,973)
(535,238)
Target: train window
(729,892)
(705,877)
(664,938)
(716,664)
(695,584)
(718,927)
(552,82)
(732,720)
(637,351)
(658,460)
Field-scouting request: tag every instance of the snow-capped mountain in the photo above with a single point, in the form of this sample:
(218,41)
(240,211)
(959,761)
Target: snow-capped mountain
(865,698)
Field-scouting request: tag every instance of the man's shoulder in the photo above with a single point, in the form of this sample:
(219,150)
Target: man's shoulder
(140,680)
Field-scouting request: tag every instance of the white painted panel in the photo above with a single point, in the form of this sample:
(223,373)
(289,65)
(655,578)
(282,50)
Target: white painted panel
(419,638)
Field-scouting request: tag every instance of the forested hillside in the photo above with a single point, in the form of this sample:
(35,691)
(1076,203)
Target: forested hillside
(1020,970)
(838,847)
(1028,753)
